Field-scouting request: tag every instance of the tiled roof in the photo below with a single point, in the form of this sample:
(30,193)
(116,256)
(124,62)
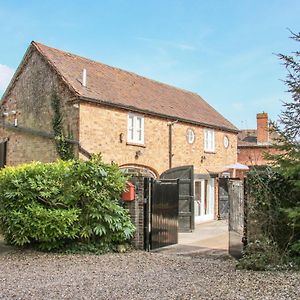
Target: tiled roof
(113,86)
(248,138)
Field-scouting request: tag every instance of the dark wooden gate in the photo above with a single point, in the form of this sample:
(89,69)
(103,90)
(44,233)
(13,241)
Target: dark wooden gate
(3,154)
(185,174)
(236,217)
(223,199)
(161,213)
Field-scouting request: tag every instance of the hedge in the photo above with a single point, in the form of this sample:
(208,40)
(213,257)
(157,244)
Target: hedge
(55,206)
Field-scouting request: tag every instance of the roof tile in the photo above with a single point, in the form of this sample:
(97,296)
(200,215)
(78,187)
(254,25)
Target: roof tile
(123,88)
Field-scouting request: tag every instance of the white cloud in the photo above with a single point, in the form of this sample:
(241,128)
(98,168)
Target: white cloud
(6,74)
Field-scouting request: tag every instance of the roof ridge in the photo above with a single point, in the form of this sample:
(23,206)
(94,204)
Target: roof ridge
(116,68)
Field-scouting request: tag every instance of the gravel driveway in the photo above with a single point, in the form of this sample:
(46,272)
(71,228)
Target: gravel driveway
(137,275)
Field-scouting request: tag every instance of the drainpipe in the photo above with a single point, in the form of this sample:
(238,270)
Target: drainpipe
(170,124)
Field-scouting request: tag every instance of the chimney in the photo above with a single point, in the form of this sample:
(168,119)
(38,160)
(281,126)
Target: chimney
(262,128)
(84,77)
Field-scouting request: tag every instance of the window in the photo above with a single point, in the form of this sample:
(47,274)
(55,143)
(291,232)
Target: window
(226,141)
(190,136)
(209,140)
(135,129)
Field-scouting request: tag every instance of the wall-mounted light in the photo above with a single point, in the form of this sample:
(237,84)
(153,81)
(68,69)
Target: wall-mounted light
(202,158)
(138,154)
(12,112)
(7,113)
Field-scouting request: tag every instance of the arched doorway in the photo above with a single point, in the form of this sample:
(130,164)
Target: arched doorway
(139,170)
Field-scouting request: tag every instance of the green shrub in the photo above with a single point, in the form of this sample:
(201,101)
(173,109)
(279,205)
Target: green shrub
(58,205)
(260,255)
(273,223)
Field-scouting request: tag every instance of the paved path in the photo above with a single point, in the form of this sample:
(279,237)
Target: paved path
(209,238)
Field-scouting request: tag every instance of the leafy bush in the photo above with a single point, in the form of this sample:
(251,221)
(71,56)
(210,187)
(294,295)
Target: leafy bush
(273,223)
(261,255)
(274,213)
(58,205)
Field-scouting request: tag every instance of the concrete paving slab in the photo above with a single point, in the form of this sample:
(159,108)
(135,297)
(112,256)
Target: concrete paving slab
(212,234)
(208,238)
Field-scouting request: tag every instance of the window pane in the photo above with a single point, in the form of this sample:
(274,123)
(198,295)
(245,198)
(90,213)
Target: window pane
(131,119)
(209,140)
(139,135)
(130,128)
(191,136)
(131,134)
(139,123)
(197,190)
(206,145)
(206,203)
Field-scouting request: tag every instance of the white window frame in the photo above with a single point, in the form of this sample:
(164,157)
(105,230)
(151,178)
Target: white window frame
(135,135)
(190,136)
(209,140)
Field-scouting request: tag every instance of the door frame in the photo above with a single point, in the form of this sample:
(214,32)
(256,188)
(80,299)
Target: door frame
(208,192)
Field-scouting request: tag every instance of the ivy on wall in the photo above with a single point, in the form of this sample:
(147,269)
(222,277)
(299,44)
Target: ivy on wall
(64,149)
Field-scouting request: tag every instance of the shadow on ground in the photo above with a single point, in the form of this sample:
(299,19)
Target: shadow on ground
(209,239)
(4,249)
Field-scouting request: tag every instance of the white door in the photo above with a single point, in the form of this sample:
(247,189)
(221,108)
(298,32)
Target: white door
(204,200)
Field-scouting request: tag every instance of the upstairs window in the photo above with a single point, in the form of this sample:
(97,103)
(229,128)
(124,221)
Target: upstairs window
(135,132)
(190,136)
(209,140)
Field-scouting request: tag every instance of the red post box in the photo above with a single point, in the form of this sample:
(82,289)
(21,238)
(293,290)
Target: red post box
(129,193)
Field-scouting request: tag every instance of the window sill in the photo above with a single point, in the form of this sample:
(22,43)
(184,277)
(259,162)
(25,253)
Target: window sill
(210,152)
(135,144)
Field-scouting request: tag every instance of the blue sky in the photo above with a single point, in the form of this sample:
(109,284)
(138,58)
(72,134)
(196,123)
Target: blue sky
(221,49)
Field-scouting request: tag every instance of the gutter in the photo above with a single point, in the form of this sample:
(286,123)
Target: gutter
(151,113)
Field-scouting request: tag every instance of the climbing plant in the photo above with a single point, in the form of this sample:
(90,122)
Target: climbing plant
(64,148)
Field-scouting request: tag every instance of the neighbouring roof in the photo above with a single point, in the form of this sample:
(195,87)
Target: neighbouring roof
(113,86)
(248,138)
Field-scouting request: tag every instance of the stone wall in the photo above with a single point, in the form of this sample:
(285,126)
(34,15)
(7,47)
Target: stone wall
(30,97)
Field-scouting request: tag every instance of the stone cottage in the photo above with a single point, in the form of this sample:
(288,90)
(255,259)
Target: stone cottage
(133,121)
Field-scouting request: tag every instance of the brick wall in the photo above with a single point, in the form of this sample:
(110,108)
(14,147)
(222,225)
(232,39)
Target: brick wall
(136,210)
(100,129)
(254,156)
(262,128)
(30,97)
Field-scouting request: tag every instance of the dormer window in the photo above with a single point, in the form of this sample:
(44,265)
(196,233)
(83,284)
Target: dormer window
(135,132)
